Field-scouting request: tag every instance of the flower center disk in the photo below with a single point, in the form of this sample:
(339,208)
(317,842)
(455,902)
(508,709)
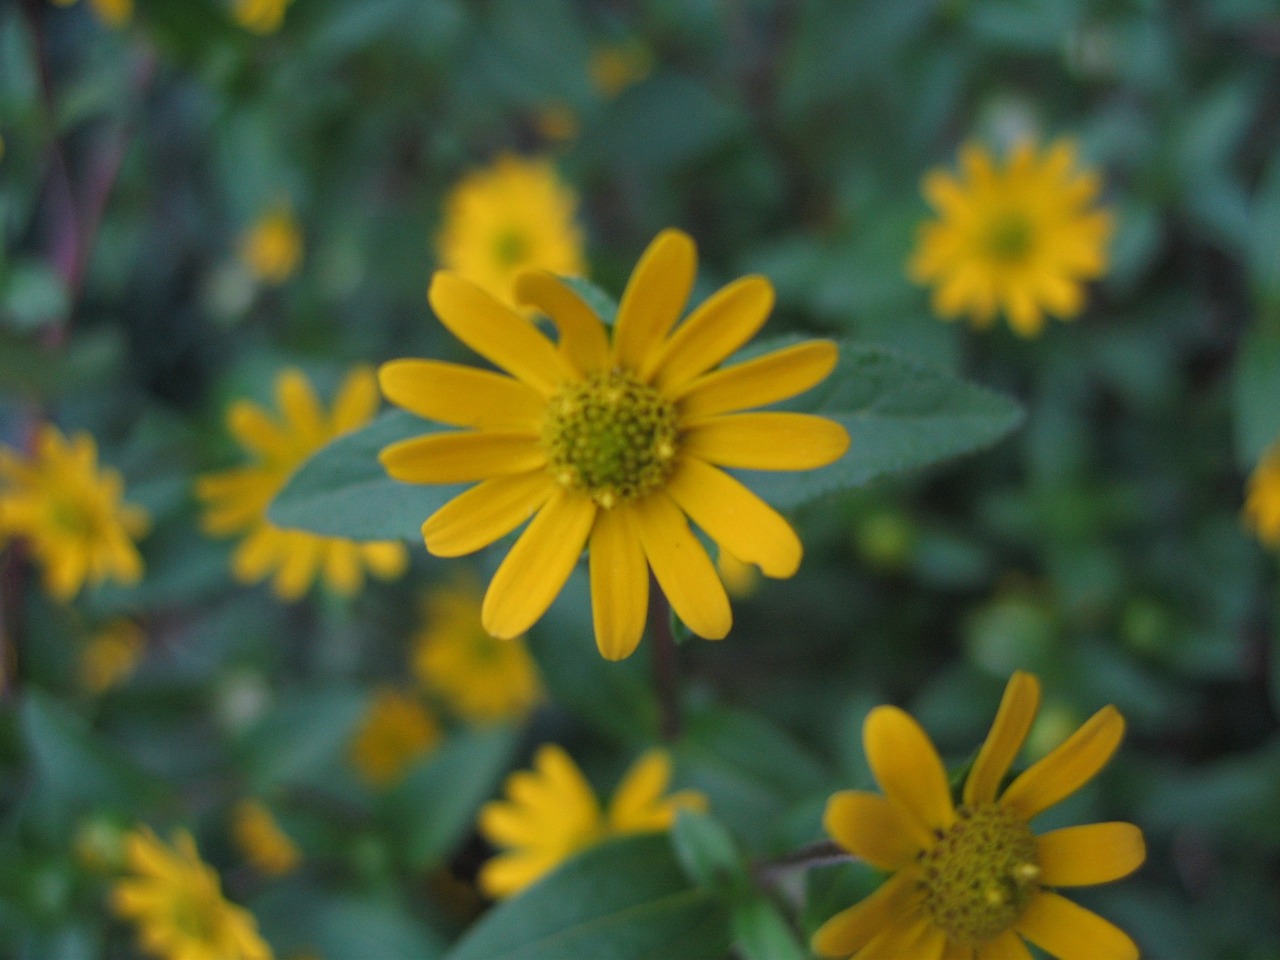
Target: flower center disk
(1009,237)
(980,875)
(610,437)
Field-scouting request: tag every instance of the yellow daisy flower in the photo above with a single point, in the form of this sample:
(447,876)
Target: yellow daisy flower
(260,839)
(1262,502)
(236,500)
(552,813)
(614,67)
(970,881)
(395,732)
(70,513)
(175,900)
(260,16)
(113,13)
(111,655)
(1023,239)
(611,441)
(272,248)
(512,216)
(483,680)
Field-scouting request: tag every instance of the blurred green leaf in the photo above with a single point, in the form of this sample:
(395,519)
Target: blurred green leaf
(1256,388)
(306,730)
(639,134)
(1264,247)
(625,899)
(32,295)
(708,854)
(28,368)
(761,932)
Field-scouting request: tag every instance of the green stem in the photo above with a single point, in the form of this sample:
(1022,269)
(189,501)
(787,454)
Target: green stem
(666,679)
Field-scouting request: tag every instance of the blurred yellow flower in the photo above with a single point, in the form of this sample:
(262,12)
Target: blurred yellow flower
(113,13)
(612,441)
(556,122)
(614,67)
(111,655)
(1262,501)
(261,840)
(396,731)
(175,900)
(1023,239)
(512,216)
(482,679)
(260,16)
(70,513)
(236,500)
(973,880)
(272,247)
(552,813)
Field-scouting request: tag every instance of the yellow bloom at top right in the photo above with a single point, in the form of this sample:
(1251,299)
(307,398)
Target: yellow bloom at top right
(1020,239)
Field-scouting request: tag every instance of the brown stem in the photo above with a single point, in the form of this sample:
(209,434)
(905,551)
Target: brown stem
(818,854)
(666,679)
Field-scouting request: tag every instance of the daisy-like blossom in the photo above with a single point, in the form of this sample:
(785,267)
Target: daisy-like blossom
(114,13)
(1021,239)
(236,501)
(396,730)
(175,900)
(971,881)
(611,442)
(1262,501)
(70,513)
(272,248)
(551,813)
(482,679)
(259,16)
(261,840)
(111,655)
(512,216)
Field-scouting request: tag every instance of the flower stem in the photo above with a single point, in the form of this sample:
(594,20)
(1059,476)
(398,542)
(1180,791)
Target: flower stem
(666,679)
(818,854)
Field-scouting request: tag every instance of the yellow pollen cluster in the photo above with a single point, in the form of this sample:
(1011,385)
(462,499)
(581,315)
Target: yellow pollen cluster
(980,875)
(611,437)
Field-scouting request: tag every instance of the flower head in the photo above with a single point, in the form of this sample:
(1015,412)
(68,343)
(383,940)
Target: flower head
(971,880)
(513,216)
(260,16)
(236,500)
(259,837)
(111,655)
(552,813)
(272,247)
(610,442)
(1022,239)
(70,513)
(396,731)
(1262,502)
(175,900)
(482,679)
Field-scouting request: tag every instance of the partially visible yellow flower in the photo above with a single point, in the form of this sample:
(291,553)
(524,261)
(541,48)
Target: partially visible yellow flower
(551,813)
(260,16)
(481,678)
(971,881)
(1262,502)
(175,900)
(272,247)
(261,840)
(512,216)
(614,67)
(113,13)
(396,731)
(612,441)
(1022,239)
(111,655)
(70,513)
(236,500)
(740,579)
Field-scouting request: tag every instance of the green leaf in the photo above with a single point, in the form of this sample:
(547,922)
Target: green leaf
(900,415)
(623,900)
(305,731)
(27,367)
(707,853)
(1256,387)
(34,295)
(603,305)
(761,932)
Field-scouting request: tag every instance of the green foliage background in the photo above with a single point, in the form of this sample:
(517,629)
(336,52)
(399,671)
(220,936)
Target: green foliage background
(1099,544)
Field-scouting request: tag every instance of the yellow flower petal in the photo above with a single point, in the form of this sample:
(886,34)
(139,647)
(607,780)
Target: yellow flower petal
(619,584)
(1007,946)
(1068,767)
(341,567)
(299,404)
(299,566)
(682,568)
(497,333)
(775,376)
(462,396)
(1070,932)
(356,402)
(582,336)
(637,804)
(850,930)
(1013,720)
(254,429)
(655,296)
(485,513)
(509,873)
(462,457)
(919,940)
(731,317)
(735,518)
(767,441)
(908,769)
(1089,854)
(871,827)
(538,565)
